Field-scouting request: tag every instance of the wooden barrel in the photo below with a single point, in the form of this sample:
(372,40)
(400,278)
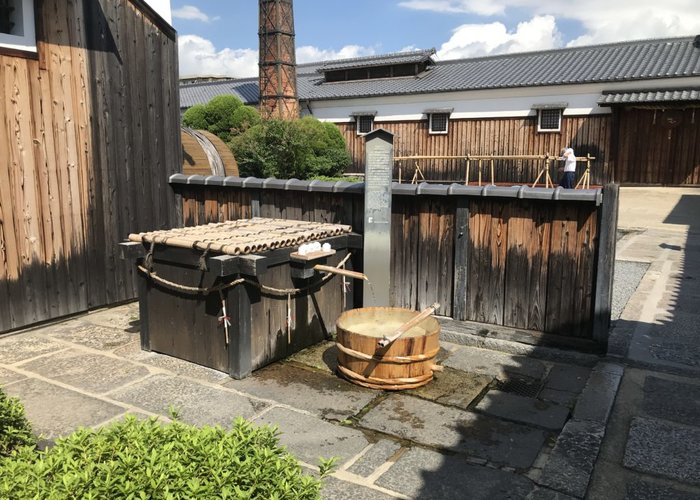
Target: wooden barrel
(406,363)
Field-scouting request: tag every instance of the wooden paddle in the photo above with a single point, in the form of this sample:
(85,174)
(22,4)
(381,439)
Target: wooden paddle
(385,341)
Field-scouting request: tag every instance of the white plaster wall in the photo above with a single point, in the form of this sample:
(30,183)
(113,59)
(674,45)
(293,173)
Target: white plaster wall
(582,100)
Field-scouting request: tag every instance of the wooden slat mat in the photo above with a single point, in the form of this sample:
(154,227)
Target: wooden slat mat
(243,236)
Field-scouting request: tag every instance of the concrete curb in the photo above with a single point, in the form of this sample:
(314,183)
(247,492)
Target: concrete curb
(570,465)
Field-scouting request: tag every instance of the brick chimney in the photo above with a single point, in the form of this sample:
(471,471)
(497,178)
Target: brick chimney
(278,81)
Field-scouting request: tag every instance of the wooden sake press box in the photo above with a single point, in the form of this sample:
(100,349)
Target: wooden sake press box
(236,296)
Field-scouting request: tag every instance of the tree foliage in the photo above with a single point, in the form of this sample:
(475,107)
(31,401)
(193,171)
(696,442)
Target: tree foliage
(300,149)
(223,116)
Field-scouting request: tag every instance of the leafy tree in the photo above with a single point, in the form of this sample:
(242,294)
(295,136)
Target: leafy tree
(244,118)
(302,149)
(219,115)
(224,116)
(195,117)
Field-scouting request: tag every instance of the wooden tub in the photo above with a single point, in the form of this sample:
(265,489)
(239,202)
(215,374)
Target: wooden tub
(406,363)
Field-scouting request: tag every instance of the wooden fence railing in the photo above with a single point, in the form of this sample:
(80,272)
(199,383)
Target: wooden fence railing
(528,258)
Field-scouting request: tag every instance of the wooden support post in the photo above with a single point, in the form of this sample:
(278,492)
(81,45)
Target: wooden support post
(492,179)
(461,260)
(480,172)
(240,346)
(466,179)
(605,263)
(144,286)
(399,174)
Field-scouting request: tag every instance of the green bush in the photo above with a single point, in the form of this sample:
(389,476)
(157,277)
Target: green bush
(195,117)
(302,149)
(224,116)
(15,430)
(148,459)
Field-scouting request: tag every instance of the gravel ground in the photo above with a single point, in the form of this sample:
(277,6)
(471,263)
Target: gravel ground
(628,274)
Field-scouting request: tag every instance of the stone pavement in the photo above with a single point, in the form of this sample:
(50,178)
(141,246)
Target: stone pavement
(490,420)
(493,425)
(651,448)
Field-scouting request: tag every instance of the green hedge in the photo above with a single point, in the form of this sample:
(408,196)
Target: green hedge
(148,459)
(15,430)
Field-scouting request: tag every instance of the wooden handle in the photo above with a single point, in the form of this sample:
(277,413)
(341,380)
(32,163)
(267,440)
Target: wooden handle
(337,270)
(408,325)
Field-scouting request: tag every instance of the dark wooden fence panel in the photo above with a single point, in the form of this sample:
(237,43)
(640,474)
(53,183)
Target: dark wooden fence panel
(89,133)
(530,264)
(497,136)
(658,146)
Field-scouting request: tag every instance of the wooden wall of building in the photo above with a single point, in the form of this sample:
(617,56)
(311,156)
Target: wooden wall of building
(658,146)
(89,132)
(522,263)
(499,136)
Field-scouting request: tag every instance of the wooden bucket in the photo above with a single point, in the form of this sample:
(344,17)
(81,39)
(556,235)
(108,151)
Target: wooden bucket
(406,363)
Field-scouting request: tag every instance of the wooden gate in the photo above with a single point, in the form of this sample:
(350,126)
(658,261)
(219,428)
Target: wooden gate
(658,146)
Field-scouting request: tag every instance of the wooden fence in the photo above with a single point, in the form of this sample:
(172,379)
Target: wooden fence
(89,133)
(518,257)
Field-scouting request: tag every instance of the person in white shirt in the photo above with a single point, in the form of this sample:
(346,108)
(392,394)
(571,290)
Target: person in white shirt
(569,169)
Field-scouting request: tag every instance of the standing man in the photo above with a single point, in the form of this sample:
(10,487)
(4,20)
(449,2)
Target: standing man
(569,171)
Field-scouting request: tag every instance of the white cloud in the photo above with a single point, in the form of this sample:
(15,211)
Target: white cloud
(314,54)
(199,57)
(473,40)
(192,13)
(602,20)
(481,7)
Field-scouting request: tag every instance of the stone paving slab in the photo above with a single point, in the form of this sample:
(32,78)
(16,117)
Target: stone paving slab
(455,429)
(496,364)
(335,489)
(428,475)
(323,394)
(55,411)
(564,398)
(17,348)
(644,490)
(570,464)
(322,356)
(671,400)
(8,376)
(133,352)
(547,494)
(124,317)
(103,338)
(663,448)
(309,437)
(196,403)
(569,378)
(526,410)
(597,398)
(378,454)
(93,373)
(454,387)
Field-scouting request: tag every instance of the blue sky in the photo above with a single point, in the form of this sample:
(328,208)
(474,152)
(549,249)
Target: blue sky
(219,37)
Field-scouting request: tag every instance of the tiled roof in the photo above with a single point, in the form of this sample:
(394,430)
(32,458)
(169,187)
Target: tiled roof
(412,57)
(201,93)
(643,96)
(616,62)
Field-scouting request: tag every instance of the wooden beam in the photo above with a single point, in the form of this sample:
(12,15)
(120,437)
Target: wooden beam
(605,262)
(461,262)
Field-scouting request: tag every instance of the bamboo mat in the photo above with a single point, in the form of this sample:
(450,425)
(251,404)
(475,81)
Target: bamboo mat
(243,236)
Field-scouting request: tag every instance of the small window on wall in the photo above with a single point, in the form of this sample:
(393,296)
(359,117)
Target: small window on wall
(365,124)
(17,31)
(439,123)
(549,120)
